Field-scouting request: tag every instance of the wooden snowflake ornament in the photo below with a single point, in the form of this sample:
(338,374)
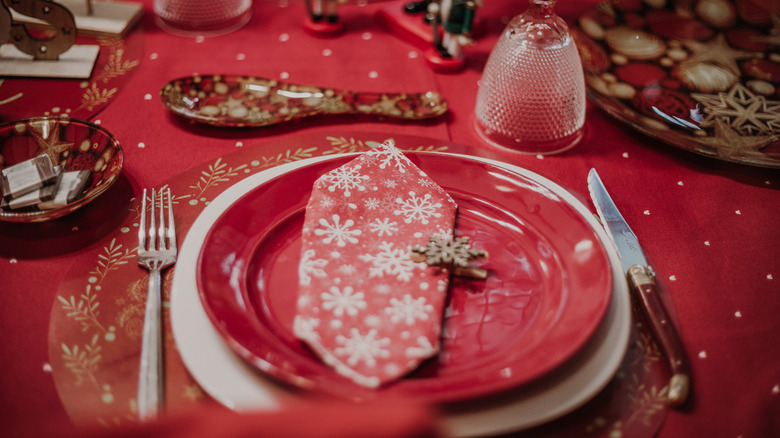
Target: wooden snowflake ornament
(455,253)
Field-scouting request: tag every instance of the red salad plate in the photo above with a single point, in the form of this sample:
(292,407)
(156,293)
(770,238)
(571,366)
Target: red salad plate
(548,287)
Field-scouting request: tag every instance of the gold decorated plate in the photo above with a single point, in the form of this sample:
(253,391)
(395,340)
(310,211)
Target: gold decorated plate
(703,76)
(250,102)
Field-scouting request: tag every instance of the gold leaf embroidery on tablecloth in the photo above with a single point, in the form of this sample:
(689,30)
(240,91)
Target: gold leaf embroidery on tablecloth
(287,156)
(215,174)
(649,402)
(83,362)
(121,420)
(429,148)
(95,96)
(651,353)
(12,98)
(131,313)
(116,65)
(85,310)
(193,392)
(342,145)
(112,257)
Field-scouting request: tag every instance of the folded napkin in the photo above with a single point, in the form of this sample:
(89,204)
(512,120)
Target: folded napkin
(364,306)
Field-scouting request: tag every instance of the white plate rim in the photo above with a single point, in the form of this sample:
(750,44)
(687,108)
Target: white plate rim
(237,385)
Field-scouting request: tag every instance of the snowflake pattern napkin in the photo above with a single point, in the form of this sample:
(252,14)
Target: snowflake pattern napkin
(364,307)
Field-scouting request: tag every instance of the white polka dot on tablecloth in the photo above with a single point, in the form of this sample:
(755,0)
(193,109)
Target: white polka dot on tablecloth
(738,212)
(239,144)
(46,368)
(625,154)
(97,122)
(738,314)
(284,37)
(776,389)
(679,183)
(199,39)
(539,157)
(769,277)
(241,56)
(327,52)
(283,3)
(366,35)
(703,354)
(141,145)
(12,261)
(373,74)
(672,278)
(154,56)
(646,212)
(148,96)
(284,75)
(706,243)
(412,55)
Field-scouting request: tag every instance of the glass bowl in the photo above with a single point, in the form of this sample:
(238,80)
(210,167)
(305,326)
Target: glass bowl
(72,143)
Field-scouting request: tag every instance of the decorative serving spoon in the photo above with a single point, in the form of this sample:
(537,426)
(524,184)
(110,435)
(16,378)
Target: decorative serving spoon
(244,101)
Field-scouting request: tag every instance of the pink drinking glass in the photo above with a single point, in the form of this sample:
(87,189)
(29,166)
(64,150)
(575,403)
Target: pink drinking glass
(202,17)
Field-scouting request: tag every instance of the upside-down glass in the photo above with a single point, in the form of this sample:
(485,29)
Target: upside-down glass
(202,17)
(531,95)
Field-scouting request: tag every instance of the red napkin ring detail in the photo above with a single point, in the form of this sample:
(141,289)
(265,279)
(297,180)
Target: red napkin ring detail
(364,307)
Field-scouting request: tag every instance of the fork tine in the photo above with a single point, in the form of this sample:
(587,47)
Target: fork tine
(152,226)
(161,230)
(142,225)
(171,225)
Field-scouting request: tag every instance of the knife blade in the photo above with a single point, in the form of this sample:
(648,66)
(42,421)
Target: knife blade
(641,281)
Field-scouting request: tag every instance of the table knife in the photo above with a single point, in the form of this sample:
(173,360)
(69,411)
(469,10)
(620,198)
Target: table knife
(641,281)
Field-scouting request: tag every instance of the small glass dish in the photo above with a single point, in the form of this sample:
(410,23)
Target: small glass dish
(72,143)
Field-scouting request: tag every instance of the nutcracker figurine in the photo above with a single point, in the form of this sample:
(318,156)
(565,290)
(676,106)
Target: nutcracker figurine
(456,19)
(323,18)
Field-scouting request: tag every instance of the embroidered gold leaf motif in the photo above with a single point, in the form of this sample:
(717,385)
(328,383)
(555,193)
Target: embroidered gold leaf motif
(343,145)
(116,66)
(285,157)
(429,148)
(110,259)
(646,402)
(215,174)
(94,97)
(85,310)
(83,362)
(193,392)
(12,98)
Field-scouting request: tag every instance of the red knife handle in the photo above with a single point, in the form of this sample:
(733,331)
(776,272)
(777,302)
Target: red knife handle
(641,280)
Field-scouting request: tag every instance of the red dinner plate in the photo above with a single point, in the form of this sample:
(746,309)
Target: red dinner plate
(548,286)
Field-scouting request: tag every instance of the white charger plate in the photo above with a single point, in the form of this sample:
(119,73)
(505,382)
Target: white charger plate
(238,386)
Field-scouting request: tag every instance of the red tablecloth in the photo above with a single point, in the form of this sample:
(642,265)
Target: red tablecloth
(708,226)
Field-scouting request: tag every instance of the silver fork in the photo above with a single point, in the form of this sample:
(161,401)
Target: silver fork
(156,251)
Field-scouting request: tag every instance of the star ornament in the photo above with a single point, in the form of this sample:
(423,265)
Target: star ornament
(728,143)
(747,113)
(48,138)
(718,51)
